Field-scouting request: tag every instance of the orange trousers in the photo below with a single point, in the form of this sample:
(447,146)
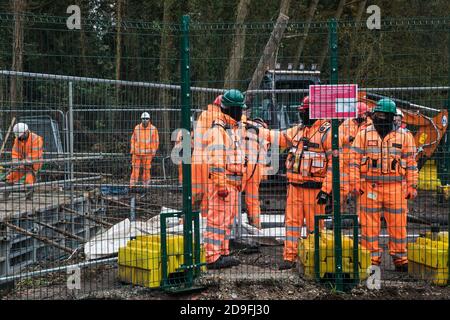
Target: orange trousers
(387,199)
(200,187)
(16,175)
(138,162)
(301,204)
(219,221)
(252,198)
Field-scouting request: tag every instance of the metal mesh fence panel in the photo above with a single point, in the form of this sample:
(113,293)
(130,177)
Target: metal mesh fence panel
(260,185)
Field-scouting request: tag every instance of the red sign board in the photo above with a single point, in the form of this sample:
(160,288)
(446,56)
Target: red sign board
(336,101)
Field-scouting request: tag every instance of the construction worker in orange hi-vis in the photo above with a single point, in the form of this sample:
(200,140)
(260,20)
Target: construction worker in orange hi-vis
(307,165)
(28,146)
(383,158)
(144,144)
(257,142)
(347,133)
(199,157)
(224,148)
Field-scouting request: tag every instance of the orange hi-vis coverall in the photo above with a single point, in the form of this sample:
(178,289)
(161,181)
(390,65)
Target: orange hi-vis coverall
(29,149)
(347,133)
(226,167)
(256,146)
(199,156)
(307,165)
(378,169)
(144,144)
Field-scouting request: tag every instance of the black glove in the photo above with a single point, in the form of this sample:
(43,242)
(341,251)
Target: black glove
(322,197)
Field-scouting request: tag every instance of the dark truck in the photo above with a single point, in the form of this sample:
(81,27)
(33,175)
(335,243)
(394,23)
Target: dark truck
(279,110)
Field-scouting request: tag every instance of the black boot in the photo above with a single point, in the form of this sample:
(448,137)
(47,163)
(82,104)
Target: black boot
(231,261)
(222,263)
(285,265)
(401,268)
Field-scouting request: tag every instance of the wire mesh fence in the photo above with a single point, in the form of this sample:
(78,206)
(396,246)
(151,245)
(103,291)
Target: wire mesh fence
(266,193)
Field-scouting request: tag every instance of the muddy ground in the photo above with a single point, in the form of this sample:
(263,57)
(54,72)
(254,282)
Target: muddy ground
(256,278)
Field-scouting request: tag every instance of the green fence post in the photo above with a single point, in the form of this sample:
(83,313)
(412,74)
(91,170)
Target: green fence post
(186,167)
(335,161)
(446,174)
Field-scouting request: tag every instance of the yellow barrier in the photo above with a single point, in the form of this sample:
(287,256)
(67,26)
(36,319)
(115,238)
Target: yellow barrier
(428,258)
(326,256)
(140,261)
(428,177)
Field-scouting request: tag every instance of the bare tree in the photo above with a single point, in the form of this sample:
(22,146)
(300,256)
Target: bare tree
(267,59)
(301,45)
(354,35)
(337,16)
(237,53)
(18,7)
(166,47)
(285,6)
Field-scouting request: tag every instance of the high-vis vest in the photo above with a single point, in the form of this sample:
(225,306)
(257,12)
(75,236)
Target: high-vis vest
(203,124)
(226,153)
(309,156)
(391,159)
(30,149)
(144,141)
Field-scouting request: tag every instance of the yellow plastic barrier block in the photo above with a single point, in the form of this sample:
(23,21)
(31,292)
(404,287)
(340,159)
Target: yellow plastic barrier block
(125,274)
(147,278)
(139,258)
(326,256)
(428,258)
(428,177)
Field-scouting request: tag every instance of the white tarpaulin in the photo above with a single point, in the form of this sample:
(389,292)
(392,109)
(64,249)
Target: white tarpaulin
(108,242)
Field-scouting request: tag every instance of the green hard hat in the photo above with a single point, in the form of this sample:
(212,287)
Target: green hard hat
(233,98)
(385,105)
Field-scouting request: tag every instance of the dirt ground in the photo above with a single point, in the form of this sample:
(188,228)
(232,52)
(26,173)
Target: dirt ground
(256,278)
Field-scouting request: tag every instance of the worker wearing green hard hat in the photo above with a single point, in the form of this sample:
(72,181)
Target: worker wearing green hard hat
(232,103)
(383,116)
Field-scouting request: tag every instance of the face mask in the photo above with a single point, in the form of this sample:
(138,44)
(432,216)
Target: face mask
(383,125)
(304,116)
(235,113)
(360,120)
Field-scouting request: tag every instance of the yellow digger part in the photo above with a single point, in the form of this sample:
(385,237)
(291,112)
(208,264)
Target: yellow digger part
(326,256)
(140,261)
(428,258)
(428,177)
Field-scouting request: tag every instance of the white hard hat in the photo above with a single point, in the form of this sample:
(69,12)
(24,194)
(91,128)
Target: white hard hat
(399,113)
(145,115)
(19,129)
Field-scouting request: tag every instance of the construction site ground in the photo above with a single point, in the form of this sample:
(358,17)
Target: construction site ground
(250,281)
(257,277)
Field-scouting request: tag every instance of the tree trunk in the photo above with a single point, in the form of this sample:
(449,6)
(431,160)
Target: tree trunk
(301,45)
(337,16)
(237,53)
(120,4)
(18,8)
(354,36)
(284,7)
(267,60)
(164,73)
(85,68)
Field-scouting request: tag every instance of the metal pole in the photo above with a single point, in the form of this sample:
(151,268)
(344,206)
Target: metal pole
(133,208)
(23,187)
(71,176)
(28,162)
(186,124)
(335,162)
(42,272)
(239,217)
